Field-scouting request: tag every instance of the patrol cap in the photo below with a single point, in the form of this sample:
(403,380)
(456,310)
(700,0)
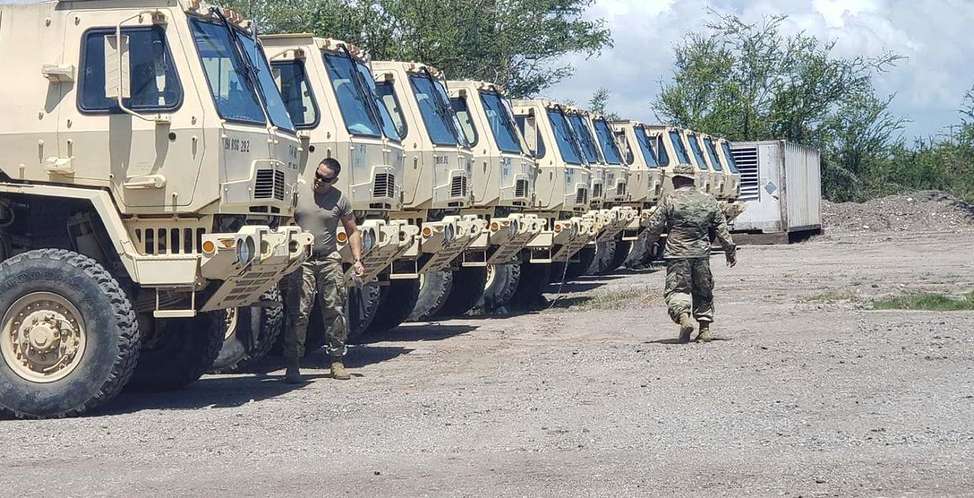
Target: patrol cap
(684,170)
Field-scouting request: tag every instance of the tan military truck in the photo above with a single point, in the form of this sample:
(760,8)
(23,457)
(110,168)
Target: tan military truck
(147,172)
(503,178)
(330,93)
(645,181)
(436,193)
(562,187)
(733,207)
(673,149)
(713,178)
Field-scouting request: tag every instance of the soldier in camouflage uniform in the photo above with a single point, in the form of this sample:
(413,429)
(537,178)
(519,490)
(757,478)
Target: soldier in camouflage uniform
(321,275)
(689,216)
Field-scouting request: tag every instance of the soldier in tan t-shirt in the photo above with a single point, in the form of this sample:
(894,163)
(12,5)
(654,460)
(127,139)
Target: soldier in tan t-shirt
(321,275)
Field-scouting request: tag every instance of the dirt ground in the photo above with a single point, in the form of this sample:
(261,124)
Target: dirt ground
(808,393)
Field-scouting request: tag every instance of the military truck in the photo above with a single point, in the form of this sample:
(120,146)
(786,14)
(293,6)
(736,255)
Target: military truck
(673,149)
(645,182)
(503,179)
(436,195)
(713,177)
(147,172)
(733,207)
(562,186)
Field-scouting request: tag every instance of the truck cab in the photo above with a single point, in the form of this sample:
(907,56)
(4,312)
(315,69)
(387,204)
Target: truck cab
(329,92)
(672,149)
(645,173)
(147,173)
(705,163)
(438,166)
(564,180)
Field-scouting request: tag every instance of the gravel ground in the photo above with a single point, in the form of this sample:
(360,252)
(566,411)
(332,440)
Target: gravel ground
(808,393)
(923,211)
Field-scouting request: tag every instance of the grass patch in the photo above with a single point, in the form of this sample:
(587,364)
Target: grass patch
(611,300)
(926,301)
(832,296)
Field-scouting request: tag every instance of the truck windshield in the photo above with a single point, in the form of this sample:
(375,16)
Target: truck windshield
(712,154)
(232,88)
(501,125)
(368,83)
(731,163)
(441,122)
(352,100)
(563,137)
(265,82)
(649,155)
(697,153)
(681,150)
(584,137)
(609,148)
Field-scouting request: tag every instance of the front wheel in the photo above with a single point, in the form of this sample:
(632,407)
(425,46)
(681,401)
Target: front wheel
(467,289)
(251,333)
(179,351)
(69,338)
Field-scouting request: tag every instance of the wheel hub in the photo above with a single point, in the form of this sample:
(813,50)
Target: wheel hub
(42,338)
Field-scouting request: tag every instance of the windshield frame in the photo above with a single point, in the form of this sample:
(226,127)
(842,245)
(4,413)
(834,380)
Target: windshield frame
(507,121)
(676,140)
(731,162)
(239,67)
(643,142)
(585,139)
(571,139)
(612,143)
(443,112)
(710,147)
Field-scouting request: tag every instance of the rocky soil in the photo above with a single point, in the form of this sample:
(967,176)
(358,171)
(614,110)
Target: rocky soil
(808,393)
(919,211)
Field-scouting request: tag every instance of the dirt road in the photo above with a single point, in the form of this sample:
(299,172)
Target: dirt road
(807,394)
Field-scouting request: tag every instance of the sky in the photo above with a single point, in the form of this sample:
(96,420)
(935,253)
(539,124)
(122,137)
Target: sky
(935,36)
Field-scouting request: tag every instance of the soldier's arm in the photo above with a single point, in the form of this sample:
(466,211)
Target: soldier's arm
(657,222)
(724,236)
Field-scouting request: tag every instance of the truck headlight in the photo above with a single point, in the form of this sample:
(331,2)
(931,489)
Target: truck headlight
(246,249)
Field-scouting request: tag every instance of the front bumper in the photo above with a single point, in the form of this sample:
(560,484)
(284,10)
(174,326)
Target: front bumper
(440,242)
(382,243)
(250,262)
(511,234)
(614,220)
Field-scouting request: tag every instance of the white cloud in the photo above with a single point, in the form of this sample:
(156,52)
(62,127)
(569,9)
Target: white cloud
(933,35)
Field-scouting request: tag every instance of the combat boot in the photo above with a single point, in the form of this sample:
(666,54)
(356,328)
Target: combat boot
(338,370)
(293,373)
(686,328)
(705,335)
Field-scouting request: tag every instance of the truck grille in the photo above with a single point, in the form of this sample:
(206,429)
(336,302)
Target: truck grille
(269,184)
(384,185)
(581,197)
(521,188)
(459,186)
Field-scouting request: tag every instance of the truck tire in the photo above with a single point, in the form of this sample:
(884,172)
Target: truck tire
(83,304)
(434,289)
(502,282)
(179,351)
(585,256)
(363,304)
(619,255)
(604,254)
(467,289)
(534,280)
(397,302)
(251,334)
(634,260)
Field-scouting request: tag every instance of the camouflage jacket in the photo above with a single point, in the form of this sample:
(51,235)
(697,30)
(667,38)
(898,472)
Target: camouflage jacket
(688,216)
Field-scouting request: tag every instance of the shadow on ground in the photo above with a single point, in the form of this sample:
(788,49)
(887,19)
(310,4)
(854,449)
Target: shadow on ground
(420,331)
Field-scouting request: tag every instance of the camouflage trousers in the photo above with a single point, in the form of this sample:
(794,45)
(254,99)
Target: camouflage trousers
(689,289)
(320,279)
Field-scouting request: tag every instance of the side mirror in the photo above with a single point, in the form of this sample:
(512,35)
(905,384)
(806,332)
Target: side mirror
(118,77)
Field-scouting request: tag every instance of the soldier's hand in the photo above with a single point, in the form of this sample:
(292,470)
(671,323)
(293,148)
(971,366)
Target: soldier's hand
(359,268)
(731,258)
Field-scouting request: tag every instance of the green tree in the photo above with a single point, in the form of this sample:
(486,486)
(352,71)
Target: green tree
(599,104)
(751,82)
(514,43)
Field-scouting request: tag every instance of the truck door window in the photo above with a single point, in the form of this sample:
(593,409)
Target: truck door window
(662,155)
(712,154)
(296,91)
(154,83)
(697,153)
(387,93)
(459,106)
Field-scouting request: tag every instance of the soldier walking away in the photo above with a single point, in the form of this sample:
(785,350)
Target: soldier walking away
(689,216)
(321,276)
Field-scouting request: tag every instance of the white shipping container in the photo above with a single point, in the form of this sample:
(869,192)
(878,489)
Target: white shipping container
(781,186)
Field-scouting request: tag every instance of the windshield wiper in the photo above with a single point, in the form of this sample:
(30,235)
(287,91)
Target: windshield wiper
(250,71)
(370,103)
(443,111)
